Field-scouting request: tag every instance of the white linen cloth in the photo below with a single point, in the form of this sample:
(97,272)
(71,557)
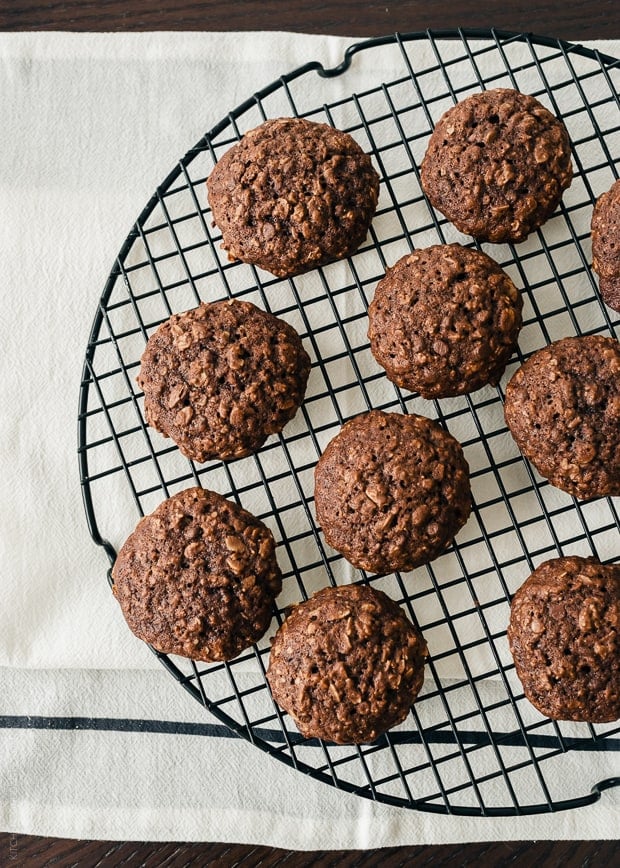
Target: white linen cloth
(91,123)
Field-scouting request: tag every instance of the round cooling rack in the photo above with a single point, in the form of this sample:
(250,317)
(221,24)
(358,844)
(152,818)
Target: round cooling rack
(472,743)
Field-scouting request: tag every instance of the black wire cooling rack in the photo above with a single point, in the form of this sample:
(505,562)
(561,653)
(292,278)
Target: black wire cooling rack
(472,743)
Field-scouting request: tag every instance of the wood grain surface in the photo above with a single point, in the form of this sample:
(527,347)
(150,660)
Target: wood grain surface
(564,19)
(34,852)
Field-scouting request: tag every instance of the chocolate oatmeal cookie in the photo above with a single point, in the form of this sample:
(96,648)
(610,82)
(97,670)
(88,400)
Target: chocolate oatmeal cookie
(563,409)
(347,664)
(606,245)
(564,636)
(391,491)
(198,577)
(444,321)
(497,164)
(293,194)
(221,378)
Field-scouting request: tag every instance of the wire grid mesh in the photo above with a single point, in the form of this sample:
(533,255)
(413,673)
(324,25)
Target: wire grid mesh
(472,743)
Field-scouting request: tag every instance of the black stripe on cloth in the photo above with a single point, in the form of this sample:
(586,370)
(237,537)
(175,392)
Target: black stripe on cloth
(173,727)
(115,724)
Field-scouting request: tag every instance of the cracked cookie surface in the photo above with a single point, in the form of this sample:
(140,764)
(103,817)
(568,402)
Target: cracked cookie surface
(444,321)
(562,407)
(293,194)
(497,164)
(347,664)
(564,636)
(606,245)
(198,577)
(391,491)
(219,379)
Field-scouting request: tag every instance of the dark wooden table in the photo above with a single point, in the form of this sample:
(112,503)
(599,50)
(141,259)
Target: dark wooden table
(575,20)
(565,19)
